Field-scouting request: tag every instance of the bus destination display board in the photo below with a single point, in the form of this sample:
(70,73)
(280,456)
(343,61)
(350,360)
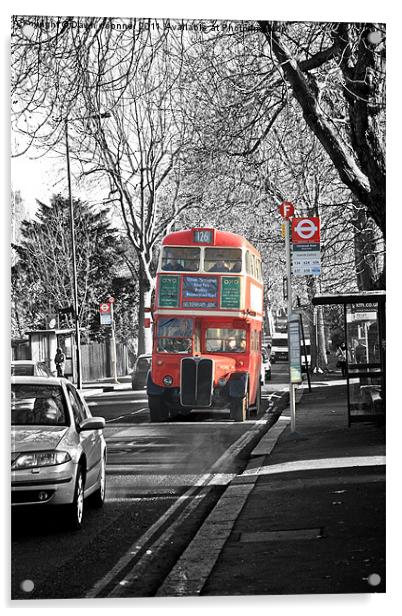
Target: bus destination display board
(230,292)
(203,236)
(169,291)
(200,291)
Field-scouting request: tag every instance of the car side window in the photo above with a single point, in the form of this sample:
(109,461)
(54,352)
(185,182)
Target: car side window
(76,405)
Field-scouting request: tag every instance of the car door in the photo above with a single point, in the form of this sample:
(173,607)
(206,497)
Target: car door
(90,440)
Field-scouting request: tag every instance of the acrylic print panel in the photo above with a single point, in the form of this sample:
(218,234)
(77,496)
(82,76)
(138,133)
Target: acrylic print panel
(124,131)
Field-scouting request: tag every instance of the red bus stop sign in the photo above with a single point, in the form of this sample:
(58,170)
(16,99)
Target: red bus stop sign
(286,209)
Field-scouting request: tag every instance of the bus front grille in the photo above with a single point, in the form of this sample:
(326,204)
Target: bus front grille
(196,382)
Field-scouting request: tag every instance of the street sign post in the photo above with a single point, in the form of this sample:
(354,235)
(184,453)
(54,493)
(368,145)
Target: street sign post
(105,311)
(306,230)
(106,318)
(306,255)
(294,349)
(286,210)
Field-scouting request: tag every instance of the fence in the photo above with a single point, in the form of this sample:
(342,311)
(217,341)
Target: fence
(96,361)
(95,358)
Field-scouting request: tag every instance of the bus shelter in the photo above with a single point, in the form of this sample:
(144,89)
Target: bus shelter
(364,326)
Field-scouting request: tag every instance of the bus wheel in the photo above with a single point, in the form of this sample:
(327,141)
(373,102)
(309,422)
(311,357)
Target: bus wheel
(157,409)
(239,408)
(258,401)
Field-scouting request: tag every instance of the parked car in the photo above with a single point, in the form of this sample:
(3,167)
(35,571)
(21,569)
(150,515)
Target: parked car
(140,371)
(265,366)
(29,367)
(58,452)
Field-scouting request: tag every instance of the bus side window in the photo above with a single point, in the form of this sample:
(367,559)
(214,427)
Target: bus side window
(248,264)
(259,270)
(253,266)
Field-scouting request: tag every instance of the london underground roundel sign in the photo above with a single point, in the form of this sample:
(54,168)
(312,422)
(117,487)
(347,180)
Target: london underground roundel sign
(306,230)
(286,209)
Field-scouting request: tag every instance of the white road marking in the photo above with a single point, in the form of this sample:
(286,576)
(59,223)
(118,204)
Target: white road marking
(203,480)
(126,415)
(324,463)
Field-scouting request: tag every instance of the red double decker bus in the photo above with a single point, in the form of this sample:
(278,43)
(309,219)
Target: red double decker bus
(207,325)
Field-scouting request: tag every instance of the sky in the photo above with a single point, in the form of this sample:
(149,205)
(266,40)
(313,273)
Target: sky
(35,179)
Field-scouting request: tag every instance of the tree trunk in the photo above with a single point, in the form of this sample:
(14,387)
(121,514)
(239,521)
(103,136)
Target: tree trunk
(319,360)
(365,247)
(322,361)
(145,286)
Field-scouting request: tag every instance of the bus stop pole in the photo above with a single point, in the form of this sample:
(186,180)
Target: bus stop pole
(292,401)
(114,353)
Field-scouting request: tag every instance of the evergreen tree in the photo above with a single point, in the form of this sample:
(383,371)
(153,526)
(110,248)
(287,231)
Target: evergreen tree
(42,277)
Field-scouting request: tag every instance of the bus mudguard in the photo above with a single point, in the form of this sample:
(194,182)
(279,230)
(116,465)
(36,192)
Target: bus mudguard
(237,384)
(152,388)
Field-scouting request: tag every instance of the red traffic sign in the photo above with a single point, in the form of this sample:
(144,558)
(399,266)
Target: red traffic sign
(306,230)
(105,308)
(286,209)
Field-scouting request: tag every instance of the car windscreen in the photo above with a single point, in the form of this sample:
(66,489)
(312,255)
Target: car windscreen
(144,363)
(23,370)
(280,342)
(38,405)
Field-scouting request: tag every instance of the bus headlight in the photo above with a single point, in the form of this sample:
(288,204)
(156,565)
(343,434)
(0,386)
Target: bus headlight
(221,381)
(167,380)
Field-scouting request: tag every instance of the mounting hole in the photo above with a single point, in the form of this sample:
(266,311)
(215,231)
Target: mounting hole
(374,579)
(27,585)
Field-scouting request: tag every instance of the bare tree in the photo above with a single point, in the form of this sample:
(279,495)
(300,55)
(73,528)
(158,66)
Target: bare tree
(337,75)
(141,152)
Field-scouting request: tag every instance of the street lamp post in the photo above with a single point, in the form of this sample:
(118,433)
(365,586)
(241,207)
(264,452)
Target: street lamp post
(72,230)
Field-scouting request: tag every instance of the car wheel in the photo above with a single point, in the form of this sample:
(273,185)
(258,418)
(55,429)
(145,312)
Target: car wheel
(75,511)
(98,497)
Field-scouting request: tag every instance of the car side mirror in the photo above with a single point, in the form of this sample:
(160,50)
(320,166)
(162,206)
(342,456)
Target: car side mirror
(92,423)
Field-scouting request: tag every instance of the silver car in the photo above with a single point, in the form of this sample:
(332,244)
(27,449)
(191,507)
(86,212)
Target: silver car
(58,452)
(29,367)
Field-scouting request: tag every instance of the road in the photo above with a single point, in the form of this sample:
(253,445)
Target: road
(162,482)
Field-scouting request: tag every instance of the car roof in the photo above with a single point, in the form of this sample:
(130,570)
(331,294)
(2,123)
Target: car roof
(38,380)
(23,362)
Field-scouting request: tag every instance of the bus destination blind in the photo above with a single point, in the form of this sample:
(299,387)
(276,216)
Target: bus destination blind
(200,291)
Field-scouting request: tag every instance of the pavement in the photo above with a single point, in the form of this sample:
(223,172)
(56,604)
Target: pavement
(306,516)
(91,388)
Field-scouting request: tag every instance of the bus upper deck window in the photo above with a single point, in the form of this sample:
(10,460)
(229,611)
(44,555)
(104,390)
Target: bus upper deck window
(222,260)
(178,259)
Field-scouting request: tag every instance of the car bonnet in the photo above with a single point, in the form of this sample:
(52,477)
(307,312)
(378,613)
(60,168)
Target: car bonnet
(36,438)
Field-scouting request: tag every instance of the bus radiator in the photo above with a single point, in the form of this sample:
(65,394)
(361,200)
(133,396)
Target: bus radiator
(196,382)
